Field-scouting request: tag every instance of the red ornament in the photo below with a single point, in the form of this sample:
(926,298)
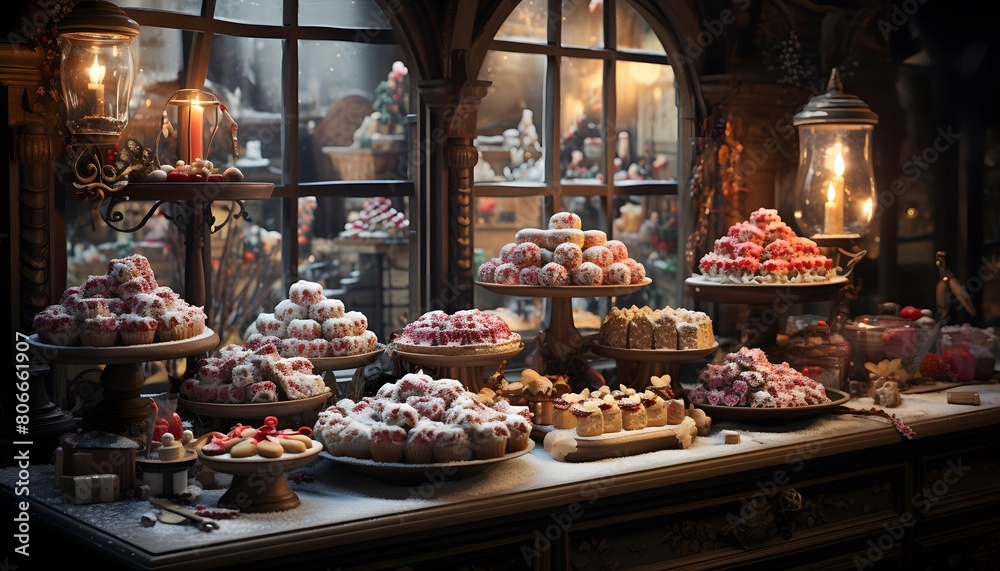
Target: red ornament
(249,257)
(910,312)
(934,366)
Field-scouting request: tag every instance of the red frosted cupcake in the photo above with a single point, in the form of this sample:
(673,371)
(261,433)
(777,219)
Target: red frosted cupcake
(137,329)
(419,447)
(100,331)
(489,439)
(56,325)
(387,442)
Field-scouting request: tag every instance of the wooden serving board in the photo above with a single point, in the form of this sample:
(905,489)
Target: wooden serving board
(563,443)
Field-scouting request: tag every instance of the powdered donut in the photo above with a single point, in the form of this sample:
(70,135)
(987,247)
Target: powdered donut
(369,340)
(505,253)
(555,237)
(526,254)
(534,235)
(618,274)
(568,254)
(287,311)
(638,270)
(553,274)
(337,327)
(488,269)
(506,274)
(593,238)
(564,221)
(587,273)
(359,323)
(305,293)
(528,275)
(599,255)
(268,324)
(618,250)
(305,329)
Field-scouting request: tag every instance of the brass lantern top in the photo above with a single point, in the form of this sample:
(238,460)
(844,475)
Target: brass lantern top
(835,107)
(98,18)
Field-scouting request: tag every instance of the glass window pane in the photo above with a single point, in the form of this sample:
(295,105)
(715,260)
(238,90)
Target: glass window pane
(266,12)
(342,14)
(182,6)
(646,141)
(245,74)
(341,86)
(583,24)
(369,272)
(527,23)
(511,129)
(633,32)
(647,225)
(157,55)
(581,157)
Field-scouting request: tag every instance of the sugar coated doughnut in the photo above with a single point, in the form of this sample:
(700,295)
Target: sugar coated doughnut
(506,274)
(587,273)
(337,327)
(555,237)
(568,254)
(305,293)
(359,323)
(618,273)
(638,270)
(599,255)
(565,220)
(488,269)
(506,251)
(287,311)
(526,254)
(528,275)
(618,250)
(593,238)
(553,274)
(325,309)
(534,235)
(305,329)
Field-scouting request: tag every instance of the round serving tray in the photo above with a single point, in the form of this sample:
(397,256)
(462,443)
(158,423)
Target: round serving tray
(452,361)
(401,473)
(347,361)
(254,410)
(259,484)
(251,465)
(120,354)
(774,415)
(704,289)
(652,355)
(565,291)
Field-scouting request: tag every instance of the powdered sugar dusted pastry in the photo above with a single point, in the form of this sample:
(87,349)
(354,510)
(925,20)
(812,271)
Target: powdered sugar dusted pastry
(304,329)
(589,420)
(586,274)
(528,276)
(555,237)
(325,309)
(526,254)
(288,311)
(618,273)
(488,269)
(534,235)
(568,254)
(268,324)
(565,220)
(553,274)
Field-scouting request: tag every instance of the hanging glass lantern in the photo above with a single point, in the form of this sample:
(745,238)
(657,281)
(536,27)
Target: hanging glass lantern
(835,186)
(96,69)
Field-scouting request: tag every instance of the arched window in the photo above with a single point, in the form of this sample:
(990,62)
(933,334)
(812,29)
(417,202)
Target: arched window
(300,79)
(581,115)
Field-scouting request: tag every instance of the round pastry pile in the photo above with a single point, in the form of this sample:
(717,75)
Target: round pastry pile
(252,373)
(747,378)
(765,250)
(377,219)
(467,332)
(308,324)
(608,411)
(564,254)
(264,442)
(419,420)
(125,306)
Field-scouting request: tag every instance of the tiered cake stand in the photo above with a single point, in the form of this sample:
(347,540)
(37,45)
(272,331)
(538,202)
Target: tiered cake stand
(561,344)
(636,366)
(468,369)
(768,304)
(122,411)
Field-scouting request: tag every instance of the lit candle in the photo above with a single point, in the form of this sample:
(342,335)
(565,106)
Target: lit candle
(96,77)
(868,210)
(195,126)
(833,220)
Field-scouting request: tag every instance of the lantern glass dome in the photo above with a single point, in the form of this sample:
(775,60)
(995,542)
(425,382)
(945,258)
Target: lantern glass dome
(835,185)
(96,69)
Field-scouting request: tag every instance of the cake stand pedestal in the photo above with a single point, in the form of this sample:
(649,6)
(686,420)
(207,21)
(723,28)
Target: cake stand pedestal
(636,366)
(123,411)
(259,484)
(560,346)
(467,369)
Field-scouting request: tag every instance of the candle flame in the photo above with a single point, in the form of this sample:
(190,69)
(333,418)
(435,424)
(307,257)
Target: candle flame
(831,194)
(838,165)
(868,209)
(96,71)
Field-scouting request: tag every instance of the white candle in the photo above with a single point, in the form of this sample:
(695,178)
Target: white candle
(833,219)
(195,126)
(96,77)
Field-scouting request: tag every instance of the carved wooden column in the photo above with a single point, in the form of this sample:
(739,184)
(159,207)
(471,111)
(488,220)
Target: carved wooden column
(460,158)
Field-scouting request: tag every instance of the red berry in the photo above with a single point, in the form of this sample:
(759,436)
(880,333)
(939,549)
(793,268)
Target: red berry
(197,178)
(178,176)
(161,427)
(934,366)
(176,427)
(910,312)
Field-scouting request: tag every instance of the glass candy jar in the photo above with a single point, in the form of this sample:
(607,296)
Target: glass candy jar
(821,355)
